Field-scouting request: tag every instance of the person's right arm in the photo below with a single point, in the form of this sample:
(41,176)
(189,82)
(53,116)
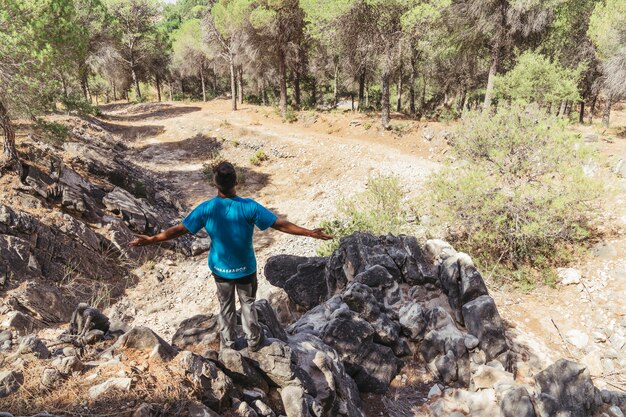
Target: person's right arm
(287,227)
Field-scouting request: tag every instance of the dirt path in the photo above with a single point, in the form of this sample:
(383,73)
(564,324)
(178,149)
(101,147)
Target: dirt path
(317,160)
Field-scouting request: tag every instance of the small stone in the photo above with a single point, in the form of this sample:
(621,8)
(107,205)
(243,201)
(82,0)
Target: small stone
(577,338)
(604,250)
(598,337)
(623,322)
(488,377)
(201,410)
(608,366)
(471,341)
(614,411)
(617,341)
(568,276)
(9,382)
(435,391)
(51,378)
(593,362)
(122,384)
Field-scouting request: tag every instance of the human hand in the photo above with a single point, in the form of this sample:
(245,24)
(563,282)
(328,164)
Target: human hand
(140,240)
(319,234)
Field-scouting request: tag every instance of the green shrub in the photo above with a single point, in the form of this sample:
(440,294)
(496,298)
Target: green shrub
(75,104)
(380,209)
(518,196)
(259,157)
(290,116)
(55,133)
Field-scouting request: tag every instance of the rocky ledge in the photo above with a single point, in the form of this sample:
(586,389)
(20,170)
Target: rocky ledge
(377,305)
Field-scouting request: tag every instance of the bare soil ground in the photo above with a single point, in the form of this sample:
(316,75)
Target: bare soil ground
(325,156)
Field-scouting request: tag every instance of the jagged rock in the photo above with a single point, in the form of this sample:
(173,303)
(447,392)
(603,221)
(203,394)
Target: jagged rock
(21,323)
(143,339)
(201,329)
(121,384)
(79,231)
(275,360)
(375,276)
(67,365)
(32,344)
(517,403)
(200,410)
(372,366)
(269,320)
(461,281)
(447,367)
(280,268)
(308,287)
(51,378)
(356,253)
(482,320)
(297,403)
(217,388)
(434,391)
(430,259)
(240,370)
(245,410)
(360,298)
(135,213)
(412,321)
(568,276)
(488,377)
(39,181)
(404,250)
(567,387)
(10,382)
(262,409)
(335,390)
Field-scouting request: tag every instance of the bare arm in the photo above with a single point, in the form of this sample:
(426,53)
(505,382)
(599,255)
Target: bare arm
(171,233)
(288,227)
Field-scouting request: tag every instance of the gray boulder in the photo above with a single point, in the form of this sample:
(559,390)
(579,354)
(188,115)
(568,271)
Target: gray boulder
(269,320)
(482,320)
(33,345)
(202,329)
(462,282)
(216,387)
(143,339)
(412,321)
(137,214)
(517,403)
(10,382)
(276,362)
(308,287)
(567,387)
(240,370)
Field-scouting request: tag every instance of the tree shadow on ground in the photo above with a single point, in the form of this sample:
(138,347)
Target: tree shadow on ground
(139,112)
(131,133)
(197,148)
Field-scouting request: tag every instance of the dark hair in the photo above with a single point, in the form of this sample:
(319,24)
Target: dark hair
(225,176)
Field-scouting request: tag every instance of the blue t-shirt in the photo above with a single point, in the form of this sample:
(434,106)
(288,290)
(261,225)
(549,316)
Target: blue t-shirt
(230,223)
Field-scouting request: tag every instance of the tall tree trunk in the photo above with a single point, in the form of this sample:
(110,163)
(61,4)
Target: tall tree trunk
(114,91)
(606,114)
(169,87)
(362,75)
(203,83)
(561,111)
(240,84)
(592,108)
(296,87)
(367,95)
(336,82)
(157,81)
(423,95)
(412,84)
(314,93)
(581,115)
(384,101)
(461,103)
(10,158)
(282,75)
(233,83)
(136,83)
(83,74)
(495,59)
(352,100)
(400,75)
(214,80)
(263,94)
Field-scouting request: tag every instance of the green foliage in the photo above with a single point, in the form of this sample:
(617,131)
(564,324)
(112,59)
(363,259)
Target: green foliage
(290,116)
(77,104)
(537,79)
(520,195)
(607,27)
(380,209)
(259,157)
(53,132)
(190,55)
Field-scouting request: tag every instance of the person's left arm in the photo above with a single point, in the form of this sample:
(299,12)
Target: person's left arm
(168,234)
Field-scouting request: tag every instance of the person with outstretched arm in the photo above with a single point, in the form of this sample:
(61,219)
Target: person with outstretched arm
(229,220)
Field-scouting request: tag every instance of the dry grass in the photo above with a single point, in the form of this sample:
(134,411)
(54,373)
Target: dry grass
(162,385)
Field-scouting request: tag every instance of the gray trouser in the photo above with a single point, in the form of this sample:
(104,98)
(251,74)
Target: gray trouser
(246,290)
